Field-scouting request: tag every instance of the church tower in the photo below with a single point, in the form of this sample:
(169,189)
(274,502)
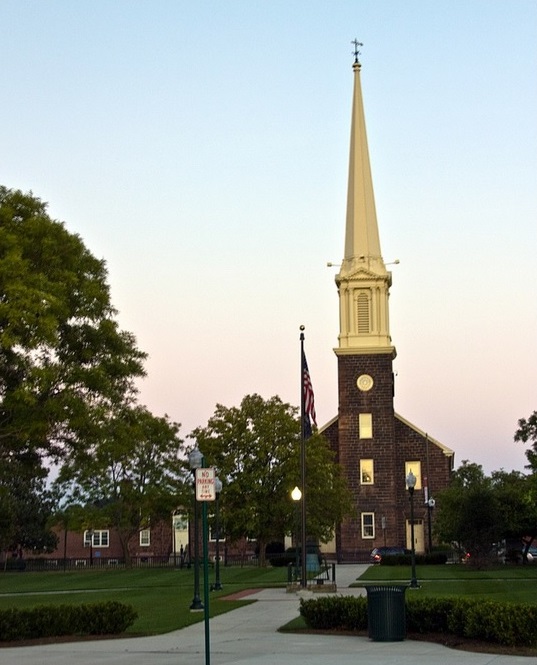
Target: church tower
(374,446)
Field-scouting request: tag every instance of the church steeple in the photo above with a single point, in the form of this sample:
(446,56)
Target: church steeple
(363,281)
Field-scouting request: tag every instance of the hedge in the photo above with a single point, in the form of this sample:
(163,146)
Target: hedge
(508,624)
(108,618)
(434,559)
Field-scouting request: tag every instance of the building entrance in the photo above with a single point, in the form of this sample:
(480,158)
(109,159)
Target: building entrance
(419,536)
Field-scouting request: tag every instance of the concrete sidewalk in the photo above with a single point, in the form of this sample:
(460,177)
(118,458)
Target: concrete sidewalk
(248,636)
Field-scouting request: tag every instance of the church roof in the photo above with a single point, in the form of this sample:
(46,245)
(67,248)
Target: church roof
(445,449)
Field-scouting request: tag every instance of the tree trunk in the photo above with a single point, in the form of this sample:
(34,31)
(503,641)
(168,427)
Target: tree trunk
(124,540)
(261,556)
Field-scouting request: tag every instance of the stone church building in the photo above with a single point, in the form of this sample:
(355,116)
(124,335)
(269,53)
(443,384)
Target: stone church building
(375,446)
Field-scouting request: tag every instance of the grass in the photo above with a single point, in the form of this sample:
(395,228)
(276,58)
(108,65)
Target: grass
(162,597)
(502,583)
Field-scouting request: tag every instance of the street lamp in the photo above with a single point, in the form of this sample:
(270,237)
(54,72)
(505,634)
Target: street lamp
(217,489)
(195,461)
(296,495)
(411,484)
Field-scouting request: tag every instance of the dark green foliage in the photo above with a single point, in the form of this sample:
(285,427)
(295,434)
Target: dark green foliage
(527,432)
(335,613)
(434,615)
(127,477)
(396,560)
(511,625)
(65,364)
(110,618)
(256,448)
(434,559)
(508,624)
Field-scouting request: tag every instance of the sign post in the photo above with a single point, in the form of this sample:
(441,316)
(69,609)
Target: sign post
(206,491)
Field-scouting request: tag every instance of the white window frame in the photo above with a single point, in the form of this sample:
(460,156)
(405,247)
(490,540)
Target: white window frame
(212,535)
(145,537)
(99,538)
(367,472)
(368,530)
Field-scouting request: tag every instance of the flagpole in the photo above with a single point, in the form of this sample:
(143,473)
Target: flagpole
(303,577)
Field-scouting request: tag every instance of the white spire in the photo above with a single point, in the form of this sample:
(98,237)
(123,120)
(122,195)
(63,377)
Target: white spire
(363,281)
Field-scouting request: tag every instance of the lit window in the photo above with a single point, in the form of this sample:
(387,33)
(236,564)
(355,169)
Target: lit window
(366,472)
(365,425)
(415,467)
(145,537)
(368,525)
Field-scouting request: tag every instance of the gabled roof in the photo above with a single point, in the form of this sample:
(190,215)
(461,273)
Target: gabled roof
(447,451)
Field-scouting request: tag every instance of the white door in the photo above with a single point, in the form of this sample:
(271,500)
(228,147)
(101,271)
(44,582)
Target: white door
(419,536)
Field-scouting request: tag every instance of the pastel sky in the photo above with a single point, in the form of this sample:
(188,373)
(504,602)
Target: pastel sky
(201,148)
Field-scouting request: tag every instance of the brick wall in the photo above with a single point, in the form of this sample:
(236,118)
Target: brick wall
(394,442)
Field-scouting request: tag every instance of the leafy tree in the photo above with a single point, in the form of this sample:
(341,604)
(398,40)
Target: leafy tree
(256,451)
(469,513)
(517,498)
(62,354)
(527,431)
(26,508)
(127,477)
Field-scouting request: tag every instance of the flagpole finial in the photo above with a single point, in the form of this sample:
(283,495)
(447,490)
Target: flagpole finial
(302,328)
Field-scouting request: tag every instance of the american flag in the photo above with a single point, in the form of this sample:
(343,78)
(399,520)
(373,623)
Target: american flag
(309,402)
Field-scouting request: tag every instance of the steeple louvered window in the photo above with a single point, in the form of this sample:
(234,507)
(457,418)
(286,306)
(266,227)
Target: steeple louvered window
(363,313)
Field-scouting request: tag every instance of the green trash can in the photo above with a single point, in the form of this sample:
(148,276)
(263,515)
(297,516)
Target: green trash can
(386,617)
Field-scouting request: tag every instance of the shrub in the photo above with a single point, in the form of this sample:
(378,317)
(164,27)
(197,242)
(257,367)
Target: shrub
(108,618)
(504,623)
(428,615)
(335,613)
(508,624)
(433,559)
(396,560)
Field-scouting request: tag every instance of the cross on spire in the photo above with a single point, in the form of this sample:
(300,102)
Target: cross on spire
(356,51)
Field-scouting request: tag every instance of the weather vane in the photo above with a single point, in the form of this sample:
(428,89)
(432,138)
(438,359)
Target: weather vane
(356,51)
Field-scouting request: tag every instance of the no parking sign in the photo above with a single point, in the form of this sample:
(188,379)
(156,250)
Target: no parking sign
(205,488)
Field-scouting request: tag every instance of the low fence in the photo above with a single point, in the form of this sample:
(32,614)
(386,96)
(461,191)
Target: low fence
(102,563)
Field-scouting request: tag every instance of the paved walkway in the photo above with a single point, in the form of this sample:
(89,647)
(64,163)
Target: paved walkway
(248,636)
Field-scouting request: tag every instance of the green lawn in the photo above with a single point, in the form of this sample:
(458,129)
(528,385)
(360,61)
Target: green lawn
(162,597)
(503,583)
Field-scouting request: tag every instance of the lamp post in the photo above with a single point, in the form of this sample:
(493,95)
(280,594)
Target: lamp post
(90,536)
(217,489)
(411,484)
(296,495)
(195,460)
(430,505)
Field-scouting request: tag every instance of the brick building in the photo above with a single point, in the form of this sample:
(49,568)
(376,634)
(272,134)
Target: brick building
(375,446)
(102,546)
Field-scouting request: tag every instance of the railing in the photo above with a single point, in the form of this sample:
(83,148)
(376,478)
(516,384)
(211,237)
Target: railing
(108,563)
(326,572)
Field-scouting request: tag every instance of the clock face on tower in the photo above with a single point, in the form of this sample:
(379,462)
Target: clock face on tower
(364,382)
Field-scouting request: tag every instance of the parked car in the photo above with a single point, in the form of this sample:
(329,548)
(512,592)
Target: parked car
(378,553)
(532,554)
